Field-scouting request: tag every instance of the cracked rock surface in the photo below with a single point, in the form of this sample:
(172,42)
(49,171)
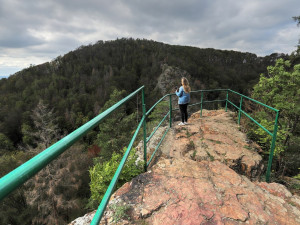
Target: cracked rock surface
(205,175)
(214,136)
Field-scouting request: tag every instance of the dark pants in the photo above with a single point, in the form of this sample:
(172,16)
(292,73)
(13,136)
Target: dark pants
(183,111)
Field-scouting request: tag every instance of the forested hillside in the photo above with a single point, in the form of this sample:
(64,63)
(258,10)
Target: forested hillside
(78,84)
(41,104)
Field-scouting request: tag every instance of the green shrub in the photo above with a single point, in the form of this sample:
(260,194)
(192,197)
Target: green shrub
(101,174)
(297,176)
(263,138)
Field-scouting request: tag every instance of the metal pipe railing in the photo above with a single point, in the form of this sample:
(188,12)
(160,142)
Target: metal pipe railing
(17,177)
(240,111)
(150,110)
(273,135)
(148,163)
(244,96)
(153,132)
(246,114)
(110,189)
(14,179)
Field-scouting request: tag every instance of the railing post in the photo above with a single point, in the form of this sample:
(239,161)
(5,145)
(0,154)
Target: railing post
(241,102)
(272,148)
(201,103)
(144,129)
(226,101)
(170,108)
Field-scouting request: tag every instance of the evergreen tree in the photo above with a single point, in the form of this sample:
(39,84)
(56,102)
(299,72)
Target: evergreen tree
(14,208)
(116,130)
(5,144)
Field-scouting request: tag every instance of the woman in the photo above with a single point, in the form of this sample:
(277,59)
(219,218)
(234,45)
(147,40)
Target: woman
(184,98)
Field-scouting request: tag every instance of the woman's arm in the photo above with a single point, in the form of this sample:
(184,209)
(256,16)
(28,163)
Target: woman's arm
(180,92)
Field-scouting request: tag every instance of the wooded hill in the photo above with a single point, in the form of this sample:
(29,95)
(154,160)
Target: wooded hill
(78,84)
(40,104)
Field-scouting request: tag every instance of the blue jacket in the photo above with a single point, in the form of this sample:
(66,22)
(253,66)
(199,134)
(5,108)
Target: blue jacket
(184,97)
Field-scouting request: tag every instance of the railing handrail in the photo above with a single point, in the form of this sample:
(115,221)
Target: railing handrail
(18,176)
(14,179)
(110,189)
(272,134)
(155,104)
(244,96)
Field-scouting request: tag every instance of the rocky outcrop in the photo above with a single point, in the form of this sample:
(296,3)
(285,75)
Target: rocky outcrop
(170,78)
(215,136)
(183,191)
(204,175)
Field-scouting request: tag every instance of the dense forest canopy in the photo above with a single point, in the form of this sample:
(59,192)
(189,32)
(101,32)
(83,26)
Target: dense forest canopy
(78,84)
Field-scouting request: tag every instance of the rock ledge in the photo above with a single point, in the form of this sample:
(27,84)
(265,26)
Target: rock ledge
(205,175)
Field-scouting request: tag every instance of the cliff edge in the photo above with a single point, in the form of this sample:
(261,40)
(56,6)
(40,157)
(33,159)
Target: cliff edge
(205,174)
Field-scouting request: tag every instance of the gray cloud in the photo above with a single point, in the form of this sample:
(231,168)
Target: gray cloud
(39,30)
(18,40)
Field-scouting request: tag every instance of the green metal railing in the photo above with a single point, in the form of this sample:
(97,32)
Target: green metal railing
(239,108)
(20,175)
(17,177)
(272,134)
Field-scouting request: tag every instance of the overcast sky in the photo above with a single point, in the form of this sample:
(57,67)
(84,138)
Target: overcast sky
(37,31)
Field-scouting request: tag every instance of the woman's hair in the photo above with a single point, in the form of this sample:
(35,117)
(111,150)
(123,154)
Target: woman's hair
(185,84)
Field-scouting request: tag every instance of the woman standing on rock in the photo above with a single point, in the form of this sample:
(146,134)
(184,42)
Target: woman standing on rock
(184,98)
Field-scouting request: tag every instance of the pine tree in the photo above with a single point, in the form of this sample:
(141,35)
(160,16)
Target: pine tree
(116,130)
(46,129)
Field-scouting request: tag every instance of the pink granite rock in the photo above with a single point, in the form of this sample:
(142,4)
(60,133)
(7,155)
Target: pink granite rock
(204,177)
(184,191)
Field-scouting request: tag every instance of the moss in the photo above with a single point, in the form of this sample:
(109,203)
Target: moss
(120,211)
